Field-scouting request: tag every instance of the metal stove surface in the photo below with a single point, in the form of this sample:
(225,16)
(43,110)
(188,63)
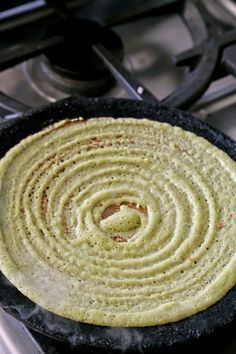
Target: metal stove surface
(149,45)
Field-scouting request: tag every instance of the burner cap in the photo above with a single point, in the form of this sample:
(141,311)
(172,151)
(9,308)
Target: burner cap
(73,66)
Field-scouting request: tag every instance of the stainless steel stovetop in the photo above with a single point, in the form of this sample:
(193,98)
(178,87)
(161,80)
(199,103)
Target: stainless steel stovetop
(149,46)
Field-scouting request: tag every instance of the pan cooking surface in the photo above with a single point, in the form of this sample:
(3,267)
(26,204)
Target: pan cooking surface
(135,339)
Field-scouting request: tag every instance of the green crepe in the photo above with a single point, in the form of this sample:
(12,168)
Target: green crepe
(118,222)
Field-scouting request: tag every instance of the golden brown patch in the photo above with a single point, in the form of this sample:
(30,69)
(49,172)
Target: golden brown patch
(95,142)
(96,139)
(137,207)
(110,210)
(119,238)
(66,227)
(219,225)
(45,202)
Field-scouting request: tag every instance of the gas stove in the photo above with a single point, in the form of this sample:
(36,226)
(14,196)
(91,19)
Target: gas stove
(179,53)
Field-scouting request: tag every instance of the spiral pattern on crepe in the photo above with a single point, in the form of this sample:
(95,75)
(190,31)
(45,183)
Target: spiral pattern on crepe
(118,222)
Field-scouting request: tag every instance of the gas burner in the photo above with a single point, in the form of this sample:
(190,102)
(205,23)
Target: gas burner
(72,66)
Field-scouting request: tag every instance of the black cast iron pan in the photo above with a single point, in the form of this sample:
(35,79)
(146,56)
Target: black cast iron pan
(104,338)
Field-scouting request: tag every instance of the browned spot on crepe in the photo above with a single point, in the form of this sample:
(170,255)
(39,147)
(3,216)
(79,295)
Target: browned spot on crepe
(45,202)
(119,238)
(66,227)
(112,209)
(139,208)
